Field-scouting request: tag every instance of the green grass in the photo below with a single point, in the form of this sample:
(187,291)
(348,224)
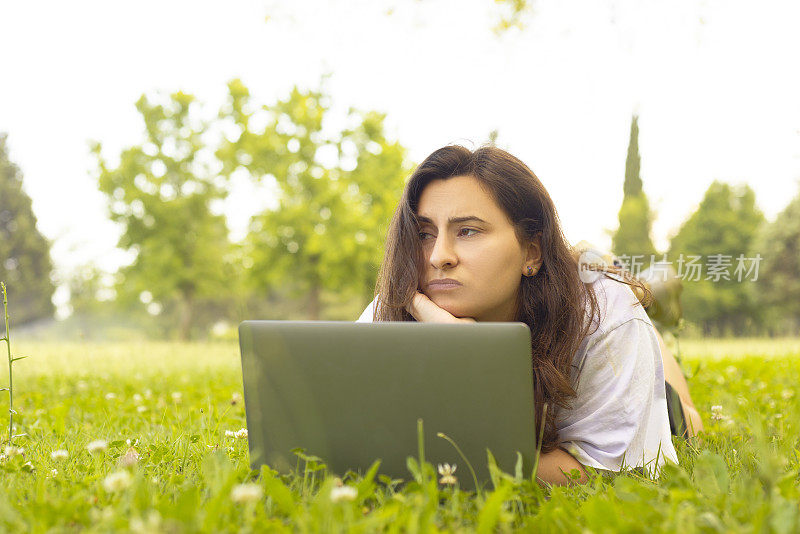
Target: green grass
(177,401)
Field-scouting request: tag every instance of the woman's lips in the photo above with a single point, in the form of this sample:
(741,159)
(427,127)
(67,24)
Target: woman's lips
(443,284)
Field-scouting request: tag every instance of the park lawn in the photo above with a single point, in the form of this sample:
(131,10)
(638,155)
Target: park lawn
(175,402)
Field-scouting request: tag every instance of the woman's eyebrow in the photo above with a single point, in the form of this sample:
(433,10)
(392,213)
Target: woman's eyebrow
(453,220)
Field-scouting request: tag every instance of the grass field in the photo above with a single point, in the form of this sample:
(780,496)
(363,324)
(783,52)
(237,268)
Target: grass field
(171,405)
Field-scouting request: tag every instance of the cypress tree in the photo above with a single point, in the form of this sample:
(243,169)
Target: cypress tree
(25,263)
(632,238)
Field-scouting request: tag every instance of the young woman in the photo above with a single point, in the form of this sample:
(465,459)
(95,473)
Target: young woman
(476,238)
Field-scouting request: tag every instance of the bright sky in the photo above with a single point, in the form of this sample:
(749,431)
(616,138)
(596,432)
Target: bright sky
(712,80)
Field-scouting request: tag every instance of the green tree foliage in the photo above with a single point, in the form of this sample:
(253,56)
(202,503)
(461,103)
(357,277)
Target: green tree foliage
(374,188)
(161,192)
(84,284)
(632,238)
(336,193)
(778,287)
(25,263)
(726,223)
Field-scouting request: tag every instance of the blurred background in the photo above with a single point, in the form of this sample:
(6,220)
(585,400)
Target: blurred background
(168,169)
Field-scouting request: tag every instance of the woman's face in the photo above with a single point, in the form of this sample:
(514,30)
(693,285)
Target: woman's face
(467,237)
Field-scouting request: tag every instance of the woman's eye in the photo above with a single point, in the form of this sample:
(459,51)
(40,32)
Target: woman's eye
(425,235)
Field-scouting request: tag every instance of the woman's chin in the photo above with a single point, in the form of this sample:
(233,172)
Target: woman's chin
(450,305)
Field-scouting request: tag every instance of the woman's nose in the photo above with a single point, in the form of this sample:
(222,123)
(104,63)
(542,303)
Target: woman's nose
(443,255)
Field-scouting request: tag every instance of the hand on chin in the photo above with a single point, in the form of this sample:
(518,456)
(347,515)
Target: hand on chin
(424,310)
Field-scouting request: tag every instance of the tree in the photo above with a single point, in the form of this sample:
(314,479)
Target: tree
(85,284)
(161,193)
(778,286)
(715,236)
(25,264)
(336,192)
(374,189)
(632,238)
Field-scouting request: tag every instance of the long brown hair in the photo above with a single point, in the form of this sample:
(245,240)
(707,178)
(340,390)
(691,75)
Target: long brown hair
(556,305)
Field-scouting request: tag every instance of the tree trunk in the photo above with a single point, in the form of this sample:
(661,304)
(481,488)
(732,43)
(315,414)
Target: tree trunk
(314,294)
(314,304)
(186,316)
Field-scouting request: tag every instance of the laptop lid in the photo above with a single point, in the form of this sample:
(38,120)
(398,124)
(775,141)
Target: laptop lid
(351,393)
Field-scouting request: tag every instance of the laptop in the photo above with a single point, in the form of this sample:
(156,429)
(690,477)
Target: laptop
(351,393)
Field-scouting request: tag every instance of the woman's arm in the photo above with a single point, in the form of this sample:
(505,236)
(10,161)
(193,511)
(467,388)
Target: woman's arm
(556,468)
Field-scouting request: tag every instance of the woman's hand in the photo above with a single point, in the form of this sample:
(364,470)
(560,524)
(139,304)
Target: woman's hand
(425,310)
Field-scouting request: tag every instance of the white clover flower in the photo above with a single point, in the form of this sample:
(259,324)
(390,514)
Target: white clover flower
(59,454)
(135,442)
(787,394)
(148,393)
(240,434)
(230,434)
(3,458)
(130,458)
(137,398)
(111,396)
(343,493)
(29,465)
(98,445)
(54,472)
(117,481)
(141,409)
(236,398)
(177,396)
(248,492)
(717,415)
(447,471)
(10,451)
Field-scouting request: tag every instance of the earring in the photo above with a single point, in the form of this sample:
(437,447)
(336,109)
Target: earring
(530,270)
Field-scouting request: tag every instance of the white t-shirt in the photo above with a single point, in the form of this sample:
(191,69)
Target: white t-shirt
(618,418)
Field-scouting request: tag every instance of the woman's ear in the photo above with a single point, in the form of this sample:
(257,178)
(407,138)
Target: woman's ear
(533,256)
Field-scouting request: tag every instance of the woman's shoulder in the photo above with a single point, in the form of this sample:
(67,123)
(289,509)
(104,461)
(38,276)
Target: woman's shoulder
(617,303)
(617,310)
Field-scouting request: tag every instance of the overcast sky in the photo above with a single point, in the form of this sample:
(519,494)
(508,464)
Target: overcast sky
(715,83)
